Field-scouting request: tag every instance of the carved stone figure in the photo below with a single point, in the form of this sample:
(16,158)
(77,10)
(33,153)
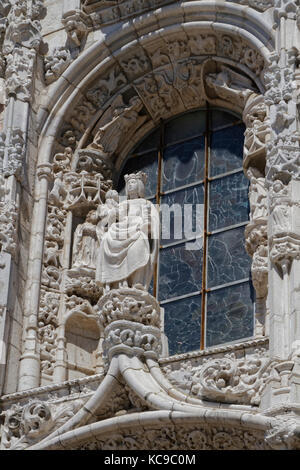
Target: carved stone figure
(257,194)
(257,130)
(56,64)
(280,208)
(85,243)
(124,117)
(107,212)
(230,85)
(129,248)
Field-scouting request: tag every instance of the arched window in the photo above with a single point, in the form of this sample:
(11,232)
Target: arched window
(194,168)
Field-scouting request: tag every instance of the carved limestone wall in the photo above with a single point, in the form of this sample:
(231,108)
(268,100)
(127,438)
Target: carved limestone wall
(100,81)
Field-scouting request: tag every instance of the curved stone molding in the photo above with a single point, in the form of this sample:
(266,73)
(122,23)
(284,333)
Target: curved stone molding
(103,14)
(65,390)
(169,431)
(222,43)
(178,437)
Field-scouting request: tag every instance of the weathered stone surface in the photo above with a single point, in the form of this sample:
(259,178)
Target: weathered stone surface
(81,83)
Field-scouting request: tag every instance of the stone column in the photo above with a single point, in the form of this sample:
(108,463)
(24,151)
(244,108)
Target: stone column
(21,47)
(283,184)
(257,133)
(30,361)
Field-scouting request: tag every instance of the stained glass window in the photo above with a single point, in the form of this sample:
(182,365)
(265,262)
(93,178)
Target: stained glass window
(194,168)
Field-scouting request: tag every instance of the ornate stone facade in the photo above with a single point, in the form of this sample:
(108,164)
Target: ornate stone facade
(82,343)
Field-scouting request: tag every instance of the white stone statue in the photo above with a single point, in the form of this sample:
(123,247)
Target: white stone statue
(257,194)
(129,247)
(86,243)
(107,213)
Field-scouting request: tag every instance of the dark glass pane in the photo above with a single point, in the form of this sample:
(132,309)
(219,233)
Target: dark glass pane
(226,150)
(149,143)
(151,287)
(221,118)
(147,163)
(183,164)
(229,314)
(228,260)
(229,204)
(183,324)
(185,220)
(180,270)
(185,126)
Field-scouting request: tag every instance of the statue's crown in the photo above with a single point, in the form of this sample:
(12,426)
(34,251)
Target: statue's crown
(137,176)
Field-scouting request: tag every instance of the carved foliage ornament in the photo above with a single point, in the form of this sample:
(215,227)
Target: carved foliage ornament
(48,322)
(12,153)
(23,25)
(229,379)
(8,224)
(283,148)
(129,304)
(133,339)
(25,425)
(18,76)
(56,64)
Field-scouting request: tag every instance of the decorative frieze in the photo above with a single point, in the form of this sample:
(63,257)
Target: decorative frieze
(106,87)
(103,12)
(179,437)
(230,378)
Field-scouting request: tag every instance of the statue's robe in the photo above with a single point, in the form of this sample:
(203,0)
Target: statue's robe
(130,244)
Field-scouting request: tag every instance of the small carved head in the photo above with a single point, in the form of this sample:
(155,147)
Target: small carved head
(112,195)
(253,172)
(92,217)
(135,185)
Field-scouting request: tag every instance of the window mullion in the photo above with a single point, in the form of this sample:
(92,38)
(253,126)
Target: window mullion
(205,232)
(158,198)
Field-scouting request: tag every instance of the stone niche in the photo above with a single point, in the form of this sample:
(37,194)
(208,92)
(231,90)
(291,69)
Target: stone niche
(82,340)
